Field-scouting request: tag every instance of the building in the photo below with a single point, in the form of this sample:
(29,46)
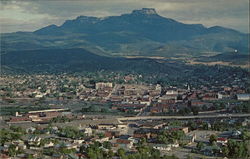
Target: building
(47,145)
(19,120)
(211,150)
(47,110)
(209,97)
(106,126)
(88,131)
(102,85)
(102,139)
(145,102)
(122,127)
(158,87)
(171,92)
(162,147)
(243,97)
(222,140)
(189,139)
(124,143)
(111,134)
(34,141)
(4,156)
(223,95)
(185,130)
(30,130)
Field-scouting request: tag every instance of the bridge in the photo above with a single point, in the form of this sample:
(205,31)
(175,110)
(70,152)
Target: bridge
(122,119)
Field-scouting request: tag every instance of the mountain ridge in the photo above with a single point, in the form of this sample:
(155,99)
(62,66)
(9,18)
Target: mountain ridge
(142,32)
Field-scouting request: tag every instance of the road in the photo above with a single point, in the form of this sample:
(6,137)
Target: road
(113,91)
(144,111)
(182,117)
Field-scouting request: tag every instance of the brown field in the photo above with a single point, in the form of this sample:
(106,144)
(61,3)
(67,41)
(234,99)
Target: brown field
(192,62)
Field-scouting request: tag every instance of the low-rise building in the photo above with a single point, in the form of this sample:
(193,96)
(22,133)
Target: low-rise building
(106,126)
(162,147)
(47,145)
(102,85)
(222,140)
(101,140)
(243,97)
(223,95)
(124,143)
(34,141)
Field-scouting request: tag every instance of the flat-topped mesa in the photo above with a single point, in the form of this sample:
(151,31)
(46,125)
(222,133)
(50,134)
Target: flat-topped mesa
(145,11)
(87,18)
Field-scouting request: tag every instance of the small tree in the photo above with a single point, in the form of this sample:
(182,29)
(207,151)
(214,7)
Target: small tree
(121,152)
(200,145)
(195,110)
(225,151)
(107,145)
(12,150)
(213,138)
(189,157)
(246,135)
(110,154)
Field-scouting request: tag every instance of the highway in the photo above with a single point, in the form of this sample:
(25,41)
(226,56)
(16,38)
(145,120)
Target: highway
(122,119)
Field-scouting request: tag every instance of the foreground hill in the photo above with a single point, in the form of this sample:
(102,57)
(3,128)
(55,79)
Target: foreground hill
(80,60)
(142,32)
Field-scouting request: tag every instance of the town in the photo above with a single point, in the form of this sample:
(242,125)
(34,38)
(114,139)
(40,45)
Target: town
(124,79)
(122,116)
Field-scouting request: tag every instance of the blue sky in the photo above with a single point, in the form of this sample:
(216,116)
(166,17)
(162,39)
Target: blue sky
(29,15)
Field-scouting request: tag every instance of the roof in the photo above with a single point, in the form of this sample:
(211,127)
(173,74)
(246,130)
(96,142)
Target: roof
(210,148)
(243,95)
(47,110)
(123,141)
(221,139)
(159,145)
(124,136)
(145,131)
(4,156)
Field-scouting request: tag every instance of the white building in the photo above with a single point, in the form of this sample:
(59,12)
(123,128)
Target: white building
(88,131)
(243,97)
(162,147)
(102,85)
(102,139)
(50,144)
(158,87)
(223,95)
(171,92)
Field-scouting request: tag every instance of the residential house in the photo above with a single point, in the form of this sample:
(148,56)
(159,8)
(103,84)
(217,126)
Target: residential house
(209,97)
(30,130)
(162,147)
(102,85)
(222,140)
(88,131)
(34,141)
(189,139)
(223,95)
(106,126)
(111,134)
(101,140)
(19,120)
(211,150)
(124,143)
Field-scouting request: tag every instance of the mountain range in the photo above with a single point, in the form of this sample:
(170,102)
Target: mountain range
(140,33)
